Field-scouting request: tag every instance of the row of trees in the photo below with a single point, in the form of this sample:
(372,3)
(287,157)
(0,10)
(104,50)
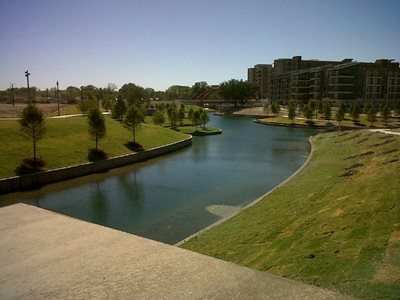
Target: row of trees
(235,91)
(315,109)
(131,91)
(33,125)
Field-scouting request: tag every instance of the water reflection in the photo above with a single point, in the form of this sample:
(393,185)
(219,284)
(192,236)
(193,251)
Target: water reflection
(99,204)
(166,199)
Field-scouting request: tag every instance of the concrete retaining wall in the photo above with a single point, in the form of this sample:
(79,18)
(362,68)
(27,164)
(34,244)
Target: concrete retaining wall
(17,183)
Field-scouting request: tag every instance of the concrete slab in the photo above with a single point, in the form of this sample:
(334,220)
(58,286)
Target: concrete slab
(44,255)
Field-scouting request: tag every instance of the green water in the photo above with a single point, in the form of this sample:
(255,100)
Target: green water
(166,199)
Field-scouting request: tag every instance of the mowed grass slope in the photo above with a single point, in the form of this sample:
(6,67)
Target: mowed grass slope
(347,122)
(335,225)
(66,142)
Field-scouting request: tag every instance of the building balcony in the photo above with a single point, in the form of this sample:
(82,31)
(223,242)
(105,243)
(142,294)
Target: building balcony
(341,84)
(341,92)
(342,76)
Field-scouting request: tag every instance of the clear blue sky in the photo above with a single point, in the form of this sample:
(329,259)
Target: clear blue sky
(158,43)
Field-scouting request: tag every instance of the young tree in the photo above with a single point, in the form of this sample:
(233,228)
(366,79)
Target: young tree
(196,118)
(118,109)
(203,118)
(355,112)
(190,115)
(371,116)
(181,115)
(397,108)
(309,113)
(344,108)
(320,108)
(385,113)
(313,106)
(327,110)
(134,116)
(291,111)
(83,105)
(266,108)
(33,124)
(367,107)
(159,118)
(173,117)
(301,108)
(97,125)
(340,115)
(275,109)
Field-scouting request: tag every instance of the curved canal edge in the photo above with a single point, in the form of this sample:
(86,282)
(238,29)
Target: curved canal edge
(18,183)
(198,233)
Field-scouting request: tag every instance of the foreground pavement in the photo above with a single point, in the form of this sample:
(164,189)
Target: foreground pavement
(45,255)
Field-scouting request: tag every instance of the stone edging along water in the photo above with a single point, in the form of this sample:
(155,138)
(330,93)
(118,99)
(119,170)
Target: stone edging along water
(18,183)
(195,235)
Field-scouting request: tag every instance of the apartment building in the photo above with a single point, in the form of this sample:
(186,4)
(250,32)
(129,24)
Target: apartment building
(260,76)
(274,79)
(337,81)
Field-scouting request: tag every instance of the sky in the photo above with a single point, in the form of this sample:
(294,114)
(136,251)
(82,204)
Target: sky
(159,43)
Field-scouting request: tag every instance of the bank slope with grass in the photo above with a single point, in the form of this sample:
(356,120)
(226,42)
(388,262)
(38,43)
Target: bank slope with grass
(66,142)
(335,225)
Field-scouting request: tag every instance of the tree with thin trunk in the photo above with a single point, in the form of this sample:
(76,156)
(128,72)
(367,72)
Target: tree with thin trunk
(181,115)
(159,118)
(397,108)
(309,113)
(204,119)
(33,124)
(371,116)
(134,116)
(97,125)
(266,109)
(385,113)
(275,109)
(292,111)
(327,110)
(118,109)
(196,118)
(367,107)
(355,112)
(340,115)
(190,115)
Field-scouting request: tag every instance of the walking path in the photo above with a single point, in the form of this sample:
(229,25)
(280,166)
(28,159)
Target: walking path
(45,255)
(386,131)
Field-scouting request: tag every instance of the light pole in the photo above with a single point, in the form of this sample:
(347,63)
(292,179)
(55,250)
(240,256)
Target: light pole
(58,99)
(13,94)
(27,82)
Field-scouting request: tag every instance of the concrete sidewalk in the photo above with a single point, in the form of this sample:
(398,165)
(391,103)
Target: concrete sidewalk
(45,255)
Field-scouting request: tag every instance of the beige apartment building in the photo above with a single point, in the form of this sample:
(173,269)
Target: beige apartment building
(260,75)
(346,80)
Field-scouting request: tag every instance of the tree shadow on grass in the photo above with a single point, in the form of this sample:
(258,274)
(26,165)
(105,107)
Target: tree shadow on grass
(357,123)
(133,146)
(96,155)
(30,166)
(310,123)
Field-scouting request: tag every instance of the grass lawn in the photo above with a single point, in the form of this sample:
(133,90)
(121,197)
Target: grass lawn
(67,141)
(347,122)
(335,225)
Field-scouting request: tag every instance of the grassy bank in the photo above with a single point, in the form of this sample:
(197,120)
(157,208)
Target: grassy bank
(67,141)
(362,123)
(335,225)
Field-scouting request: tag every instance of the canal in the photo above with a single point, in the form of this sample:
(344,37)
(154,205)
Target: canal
(174,196)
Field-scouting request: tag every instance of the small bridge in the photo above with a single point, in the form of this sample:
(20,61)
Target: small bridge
(203,95)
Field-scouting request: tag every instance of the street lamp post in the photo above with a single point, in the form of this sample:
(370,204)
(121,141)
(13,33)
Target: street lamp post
(13,94)
(27,82)
(58,99)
